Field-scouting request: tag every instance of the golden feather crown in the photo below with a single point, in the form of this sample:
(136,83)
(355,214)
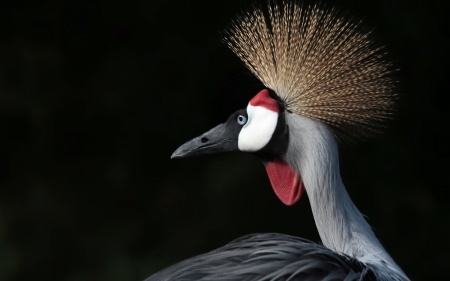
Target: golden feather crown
(319,64)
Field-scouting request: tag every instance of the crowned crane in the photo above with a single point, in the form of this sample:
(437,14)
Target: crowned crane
(324,79)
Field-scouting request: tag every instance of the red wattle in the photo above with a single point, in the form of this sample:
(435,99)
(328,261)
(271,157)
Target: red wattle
(286,183)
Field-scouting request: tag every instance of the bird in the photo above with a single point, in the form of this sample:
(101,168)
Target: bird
(325,81)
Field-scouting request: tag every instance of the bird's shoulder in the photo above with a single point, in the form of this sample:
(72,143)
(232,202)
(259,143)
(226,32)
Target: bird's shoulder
(267,256)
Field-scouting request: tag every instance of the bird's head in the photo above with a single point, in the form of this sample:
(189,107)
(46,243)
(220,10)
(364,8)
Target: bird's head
(260,129)
(321,70)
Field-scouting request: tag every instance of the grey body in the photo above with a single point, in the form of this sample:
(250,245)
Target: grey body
(351,250)
(324,73)
(268,256)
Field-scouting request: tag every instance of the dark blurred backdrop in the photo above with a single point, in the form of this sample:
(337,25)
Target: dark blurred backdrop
(96,95)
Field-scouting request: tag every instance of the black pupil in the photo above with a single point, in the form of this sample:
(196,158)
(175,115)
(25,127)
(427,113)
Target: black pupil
(240,119)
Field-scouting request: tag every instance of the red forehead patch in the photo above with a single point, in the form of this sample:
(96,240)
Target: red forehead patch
(263,99)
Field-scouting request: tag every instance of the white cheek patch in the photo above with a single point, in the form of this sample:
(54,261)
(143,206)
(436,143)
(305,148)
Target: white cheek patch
(259,128)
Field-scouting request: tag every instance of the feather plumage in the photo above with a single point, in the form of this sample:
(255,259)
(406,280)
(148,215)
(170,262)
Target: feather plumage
(320,65)
(323,68)
(267,257)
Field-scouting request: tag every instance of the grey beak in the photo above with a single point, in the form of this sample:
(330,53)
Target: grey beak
(219,139)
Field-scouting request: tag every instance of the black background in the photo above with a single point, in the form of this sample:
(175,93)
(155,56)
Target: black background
(96,95)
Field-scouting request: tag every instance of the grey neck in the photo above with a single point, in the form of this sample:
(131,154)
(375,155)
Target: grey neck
(313,152)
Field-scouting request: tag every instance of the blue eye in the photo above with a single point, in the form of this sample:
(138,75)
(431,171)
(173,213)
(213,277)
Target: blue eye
(241,120)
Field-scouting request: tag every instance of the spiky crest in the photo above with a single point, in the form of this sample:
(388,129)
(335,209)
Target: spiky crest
(319,64)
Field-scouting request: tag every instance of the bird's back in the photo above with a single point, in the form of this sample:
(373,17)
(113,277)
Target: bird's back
(268,256)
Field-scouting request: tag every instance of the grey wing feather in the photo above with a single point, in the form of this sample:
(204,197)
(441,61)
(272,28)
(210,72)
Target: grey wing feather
(267,257)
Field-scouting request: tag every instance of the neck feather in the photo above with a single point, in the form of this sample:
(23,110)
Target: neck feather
(313,153)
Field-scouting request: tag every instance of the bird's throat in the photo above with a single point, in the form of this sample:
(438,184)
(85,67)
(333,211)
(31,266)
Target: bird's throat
(286,183)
